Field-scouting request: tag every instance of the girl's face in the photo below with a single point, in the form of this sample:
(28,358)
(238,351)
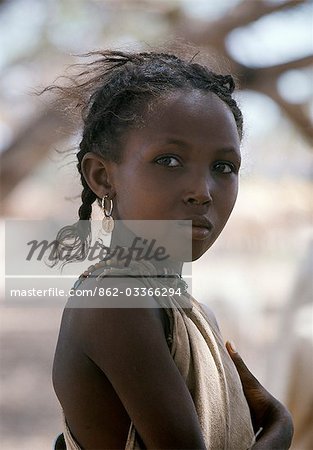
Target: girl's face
(183,164)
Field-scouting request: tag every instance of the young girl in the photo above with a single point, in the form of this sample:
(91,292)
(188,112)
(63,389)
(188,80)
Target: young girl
(161,142)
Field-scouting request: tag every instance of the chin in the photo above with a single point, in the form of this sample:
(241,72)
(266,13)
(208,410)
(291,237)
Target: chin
(196,256)
(199,248)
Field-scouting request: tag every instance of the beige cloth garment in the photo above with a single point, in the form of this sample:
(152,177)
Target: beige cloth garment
(199,353)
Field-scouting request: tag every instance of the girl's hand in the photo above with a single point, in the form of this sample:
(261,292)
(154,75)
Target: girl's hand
(266,411)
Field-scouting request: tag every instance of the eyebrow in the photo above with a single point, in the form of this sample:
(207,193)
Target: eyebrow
(229,150)
(186,146)
(177,142)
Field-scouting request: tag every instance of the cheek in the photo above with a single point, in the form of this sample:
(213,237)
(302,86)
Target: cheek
(148,184)
(225,200)
(141,199)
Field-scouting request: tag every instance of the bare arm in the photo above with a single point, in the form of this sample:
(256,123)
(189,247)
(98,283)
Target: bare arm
(129,346)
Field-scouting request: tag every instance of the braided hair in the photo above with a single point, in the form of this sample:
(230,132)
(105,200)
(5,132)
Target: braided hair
(112,93)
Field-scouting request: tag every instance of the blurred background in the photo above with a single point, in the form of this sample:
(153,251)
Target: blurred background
(257,277)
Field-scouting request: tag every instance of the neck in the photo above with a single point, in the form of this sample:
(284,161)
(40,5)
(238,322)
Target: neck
(144,249)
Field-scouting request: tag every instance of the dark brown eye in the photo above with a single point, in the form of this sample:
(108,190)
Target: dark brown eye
(168,161)
(225,168)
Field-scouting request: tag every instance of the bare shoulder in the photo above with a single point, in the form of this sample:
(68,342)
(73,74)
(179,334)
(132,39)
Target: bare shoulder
(111,302)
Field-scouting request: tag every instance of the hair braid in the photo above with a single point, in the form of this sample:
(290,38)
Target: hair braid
(88,197)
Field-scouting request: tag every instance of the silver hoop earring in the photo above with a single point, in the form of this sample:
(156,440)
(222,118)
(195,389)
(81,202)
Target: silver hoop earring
(107,221)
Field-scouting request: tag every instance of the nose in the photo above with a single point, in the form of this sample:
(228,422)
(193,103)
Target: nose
(200,194)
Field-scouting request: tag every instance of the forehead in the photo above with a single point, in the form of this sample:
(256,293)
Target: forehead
(193,116)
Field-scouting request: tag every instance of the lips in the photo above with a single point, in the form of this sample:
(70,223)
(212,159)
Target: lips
(201,227)
(199,222)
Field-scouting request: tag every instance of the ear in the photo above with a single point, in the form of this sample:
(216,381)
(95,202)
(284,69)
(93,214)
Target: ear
(96,172)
